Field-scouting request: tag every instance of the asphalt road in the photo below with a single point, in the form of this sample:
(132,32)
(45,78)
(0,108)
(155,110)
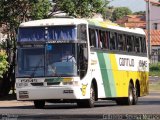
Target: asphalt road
(148,105)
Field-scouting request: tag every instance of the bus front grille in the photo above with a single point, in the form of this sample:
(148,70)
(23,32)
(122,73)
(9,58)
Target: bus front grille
(42,84)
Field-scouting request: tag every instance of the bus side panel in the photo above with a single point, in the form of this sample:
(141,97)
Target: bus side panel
(96,74)
(144,83)
(118,70)
(107,74)
(120,78)
(133,68)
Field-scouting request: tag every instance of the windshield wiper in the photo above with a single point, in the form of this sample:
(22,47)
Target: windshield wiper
(37,66)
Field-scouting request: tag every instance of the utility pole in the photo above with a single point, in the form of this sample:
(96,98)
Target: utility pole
(149,31)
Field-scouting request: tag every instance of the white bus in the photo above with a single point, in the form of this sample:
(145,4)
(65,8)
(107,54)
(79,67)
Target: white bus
(78,60)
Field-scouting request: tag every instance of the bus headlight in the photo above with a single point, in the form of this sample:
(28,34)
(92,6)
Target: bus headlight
(74,83)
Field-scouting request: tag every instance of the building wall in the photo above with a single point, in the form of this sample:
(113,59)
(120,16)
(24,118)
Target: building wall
(154,15)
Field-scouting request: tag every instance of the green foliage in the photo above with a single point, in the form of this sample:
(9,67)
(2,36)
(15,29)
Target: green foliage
(120,12)
(17,11)
(82,8)
(3,63)
(154,69)
(40,9)
(12,13)
(139,13)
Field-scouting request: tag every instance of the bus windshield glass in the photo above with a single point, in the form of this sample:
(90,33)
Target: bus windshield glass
(61,60)
(31,62)
(51,60)
(54,33)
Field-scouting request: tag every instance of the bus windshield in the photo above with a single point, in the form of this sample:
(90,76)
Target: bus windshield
(31,62)
(55,33)
(52,60)
(61,60)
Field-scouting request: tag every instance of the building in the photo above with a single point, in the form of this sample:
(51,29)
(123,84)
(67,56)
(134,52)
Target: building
(140,21)
(133,21)
(155,42)
(154,9)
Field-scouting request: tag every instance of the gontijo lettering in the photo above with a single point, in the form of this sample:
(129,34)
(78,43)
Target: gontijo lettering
(126,62)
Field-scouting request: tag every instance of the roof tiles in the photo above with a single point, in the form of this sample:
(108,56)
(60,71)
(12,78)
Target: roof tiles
(155,37)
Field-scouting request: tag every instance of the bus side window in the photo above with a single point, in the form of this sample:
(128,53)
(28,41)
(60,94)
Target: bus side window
(107,39)
(143,45)
(129,42)
(97,38)
(83,60)
(121,42)
(82,33)
(137,45)
(92,37)
(102,43)
(112,41)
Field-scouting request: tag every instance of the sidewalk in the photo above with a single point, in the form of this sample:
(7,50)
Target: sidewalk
(10,101)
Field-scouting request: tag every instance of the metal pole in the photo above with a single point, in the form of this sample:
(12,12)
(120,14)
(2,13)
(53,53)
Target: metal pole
(149,32)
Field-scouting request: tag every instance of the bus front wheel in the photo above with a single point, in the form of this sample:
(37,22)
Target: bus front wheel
(89,103)
(39,104)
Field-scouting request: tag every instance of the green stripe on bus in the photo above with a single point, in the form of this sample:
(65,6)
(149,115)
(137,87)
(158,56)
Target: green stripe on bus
(104,74)
(110,74)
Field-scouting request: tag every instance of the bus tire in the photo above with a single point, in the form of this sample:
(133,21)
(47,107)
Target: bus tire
(119,101)
(88,103)
(129,100)
(91,101)
(39,104)
(135,95)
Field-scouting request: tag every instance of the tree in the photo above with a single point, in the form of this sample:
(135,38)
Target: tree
(12,13)
(3,63)
(120,12)
(139,13)
(81,8)
(108,12)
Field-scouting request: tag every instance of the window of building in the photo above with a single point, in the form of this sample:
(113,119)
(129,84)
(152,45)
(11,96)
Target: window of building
(155,26)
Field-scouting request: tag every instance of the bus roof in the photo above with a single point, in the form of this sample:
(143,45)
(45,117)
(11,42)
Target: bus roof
(75,21)
(113,26)
(53,21)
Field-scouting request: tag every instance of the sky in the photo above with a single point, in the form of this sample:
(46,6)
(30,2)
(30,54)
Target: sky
(134,5)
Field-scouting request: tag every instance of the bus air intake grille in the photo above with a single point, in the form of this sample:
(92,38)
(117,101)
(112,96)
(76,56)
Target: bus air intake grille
(37,84)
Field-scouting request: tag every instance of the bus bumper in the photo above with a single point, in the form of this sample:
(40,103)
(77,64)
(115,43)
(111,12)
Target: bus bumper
(49,93)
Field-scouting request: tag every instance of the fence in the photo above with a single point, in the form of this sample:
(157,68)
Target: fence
(155,56)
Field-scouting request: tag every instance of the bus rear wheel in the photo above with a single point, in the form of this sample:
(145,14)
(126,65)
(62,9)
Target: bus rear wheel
(135,98)
(39,104)
(127,100)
